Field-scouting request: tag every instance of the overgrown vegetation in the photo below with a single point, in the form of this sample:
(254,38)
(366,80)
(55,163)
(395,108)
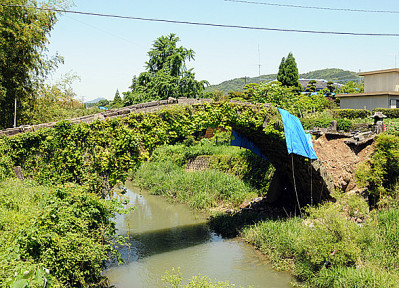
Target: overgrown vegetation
(233,176)
(54,236)
(336,245)
(174,279)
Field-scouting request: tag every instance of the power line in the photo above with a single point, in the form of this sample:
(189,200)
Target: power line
(205,24)
(313,7)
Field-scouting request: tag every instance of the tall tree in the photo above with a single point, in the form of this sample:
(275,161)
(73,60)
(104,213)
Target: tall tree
(117,97)
(167,74)
(24,35)
(288,72)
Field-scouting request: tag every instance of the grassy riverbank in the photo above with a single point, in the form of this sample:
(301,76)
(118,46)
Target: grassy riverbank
(235,176)
(335,245)
(343,243)
(53,236)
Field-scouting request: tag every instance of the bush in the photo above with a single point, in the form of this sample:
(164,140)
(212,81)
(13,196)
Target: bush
(381,171)
(64,229)
(329,248)
(351,113)
(342,124)
(389,112)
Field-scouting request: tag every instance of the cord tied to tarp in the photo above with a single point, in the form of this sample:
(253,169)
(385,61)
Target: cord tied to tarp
(298,142)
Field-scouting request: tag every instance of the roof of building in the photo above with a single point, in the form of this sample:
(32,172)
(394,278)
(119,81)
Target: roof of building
(389,93)
(393,70)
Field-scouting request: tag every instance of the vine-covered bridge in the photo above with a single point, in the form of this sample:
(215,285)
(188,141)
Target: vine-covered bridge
(296,179)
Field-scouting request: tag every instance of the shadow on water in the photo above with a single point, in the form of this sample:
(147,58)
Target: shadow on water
(164,240)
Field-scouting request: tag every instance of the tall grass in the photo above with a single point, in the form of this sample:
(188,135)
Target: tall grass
(331,248)
(201,190)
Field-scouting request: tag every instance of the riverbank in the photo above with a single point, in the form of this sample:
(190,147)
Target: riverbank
(55,236)
(336,244)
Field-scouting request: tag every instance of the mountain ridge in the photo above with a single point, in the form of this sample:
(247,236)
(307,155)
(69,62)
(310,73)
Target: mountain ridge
(329,74)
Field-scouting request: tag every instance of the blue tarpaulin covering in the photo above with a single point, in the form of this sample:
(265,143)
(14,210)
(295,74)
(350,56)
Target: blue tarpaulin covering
(242,141)
(298,142)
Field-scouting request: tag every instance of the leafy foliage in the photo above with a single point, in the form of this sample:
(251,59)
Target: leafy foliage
(174,279)
(98,155)
(351,113)
(166,75)
(350,87)
(53,236)
(285,97)
(330,249)
(381,171)
(288,73)
(389,112)
(24,35)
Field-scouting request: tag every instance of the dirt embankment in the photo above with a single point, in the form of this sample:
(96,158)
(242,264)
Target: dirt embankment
(340,161)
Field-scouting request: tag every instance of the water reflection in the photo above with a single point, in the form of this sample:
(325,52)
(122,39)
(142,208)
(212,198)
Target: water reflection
(164,235)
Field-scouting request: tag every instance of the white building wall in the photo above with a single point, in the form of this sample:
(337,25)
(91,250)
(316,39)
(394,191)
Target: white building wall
(381,82)
(364,102)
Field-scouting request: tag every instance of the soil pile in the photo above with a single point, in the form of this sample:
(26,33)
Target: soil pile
(340,161)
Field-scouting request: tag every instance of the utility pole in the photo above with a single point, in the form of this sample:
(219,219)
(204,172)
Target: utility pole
(15,112)
(259,58)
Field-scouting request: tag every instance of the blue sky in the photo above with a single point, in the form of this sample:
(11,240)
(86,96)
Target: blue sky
(105,53)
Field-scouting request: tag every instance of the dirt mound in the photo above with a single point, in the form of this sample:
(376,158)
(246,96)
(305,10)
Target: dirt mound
(340,161)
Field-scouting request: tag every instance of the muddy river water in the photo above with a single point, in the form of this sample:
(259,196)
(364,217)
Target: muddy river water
(165,236)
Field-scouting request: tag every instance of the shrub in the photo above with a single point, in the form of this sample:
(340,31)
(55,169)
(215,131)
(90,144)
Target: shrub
(351,113)
(381,171)
(389,112)
(64,229)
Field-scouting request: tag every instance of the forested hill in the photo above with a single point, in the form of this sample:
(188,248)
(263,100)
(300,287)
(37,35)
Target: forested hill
(330,74)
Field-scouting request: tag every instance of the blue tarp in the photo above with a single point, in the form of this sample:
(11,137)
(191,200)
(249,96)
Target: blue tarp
(298,142)
(242,141)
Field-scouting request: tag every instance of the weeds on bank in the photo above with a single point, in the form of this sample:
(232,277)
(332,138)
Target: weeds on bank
(174,279)
(53,236)
(201,190)
(234,175)
(337,244)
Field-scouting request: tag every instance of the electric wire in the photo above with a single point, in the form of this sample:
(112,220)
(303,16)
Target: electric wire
(313,7)
(206,24)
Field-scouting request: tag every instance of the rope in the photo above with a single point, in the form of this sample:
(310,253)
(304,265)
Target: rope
(293,177)
(311,183)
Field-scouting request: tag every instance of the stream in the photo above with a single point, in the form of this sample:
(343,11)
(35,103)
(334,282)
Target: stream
(166,235)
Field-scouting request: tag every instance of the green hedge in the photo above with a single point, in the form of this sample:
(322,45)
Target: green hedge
(351,113)
(342,124)
(389,112)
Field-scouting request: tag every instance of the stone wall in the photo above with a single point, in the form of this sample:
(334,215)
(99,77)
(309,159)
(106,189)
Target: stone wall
(200,163)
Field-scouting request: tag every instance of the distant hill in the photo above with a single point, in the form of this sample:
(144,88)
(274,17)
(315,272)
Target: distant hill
(95,100)
(331,74)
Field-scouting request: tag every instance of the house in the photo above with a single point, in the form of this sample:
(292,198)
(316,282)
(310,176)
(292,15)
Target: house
(381,90)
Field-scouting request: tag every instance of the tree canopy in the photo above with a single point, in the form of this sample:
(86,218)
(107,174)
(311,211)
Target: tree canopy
(166,74)
(288,72)
(24,33)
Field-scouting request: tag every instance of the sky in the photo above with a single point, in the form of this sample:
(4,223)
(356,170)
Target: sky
(106,53)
